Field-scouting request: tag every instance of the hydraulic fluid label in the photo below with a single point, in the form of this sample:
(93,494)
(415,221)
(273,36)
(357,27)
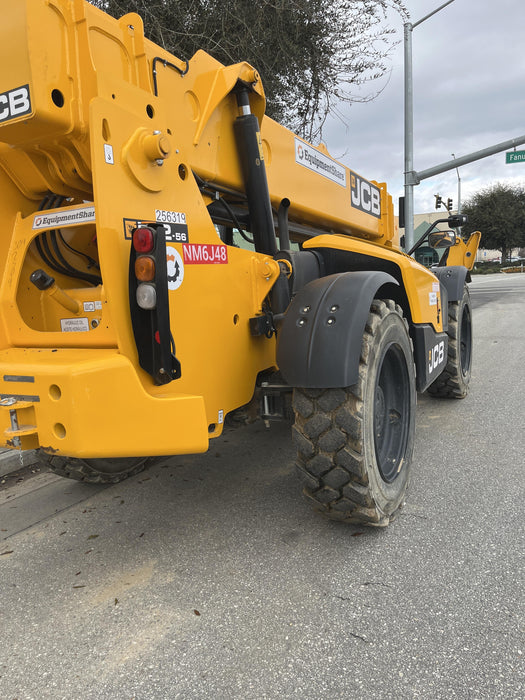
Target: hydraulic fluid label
(310,158)
(61,219)
(15,103)
(365,196)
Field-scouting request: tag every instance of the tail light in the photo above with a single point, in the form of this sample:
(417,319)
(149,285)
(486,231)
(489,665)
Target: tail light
(143,240)
(146,296)
(145,268)
(149,304)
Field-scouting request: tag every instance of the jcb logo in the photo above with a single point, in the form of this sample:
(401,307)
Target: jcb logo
(436,356)
(15,103)
(365,196)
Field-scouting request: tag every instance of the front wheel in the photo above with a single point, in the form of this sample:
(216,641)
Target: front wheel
(355,444)
(453,382)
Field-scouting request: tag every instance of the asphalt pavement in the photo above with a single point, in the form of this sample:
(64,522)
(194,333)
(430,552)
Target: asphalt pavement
(208,577)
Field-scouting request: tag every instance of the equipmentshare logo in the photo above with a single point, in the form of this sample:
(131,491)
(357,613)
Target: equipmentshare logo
(69,217)
(312,159)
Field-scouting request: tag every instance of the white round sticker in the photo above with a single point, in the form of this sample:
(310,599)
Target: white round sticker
(175,268)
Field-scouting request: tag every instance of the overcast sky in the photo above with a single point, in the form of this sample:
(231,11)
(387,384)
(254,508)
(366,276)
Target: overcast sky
(469,94)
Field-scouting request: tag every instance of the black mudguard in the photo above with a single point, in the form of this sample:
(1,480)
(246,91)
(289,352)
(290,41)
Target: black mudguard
(319,341)
(453,278)
(430,354)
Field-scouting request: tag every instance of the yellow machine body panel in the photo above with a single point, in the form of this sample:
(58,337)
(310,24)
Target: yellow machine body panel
(464,253)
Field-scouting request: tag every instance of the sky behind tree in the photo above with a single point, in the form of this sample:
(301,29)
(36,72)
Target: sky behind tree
(469,94)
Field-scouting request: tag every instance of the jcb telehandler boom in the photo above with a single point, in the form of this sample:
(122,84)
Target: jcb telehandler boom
(166,251)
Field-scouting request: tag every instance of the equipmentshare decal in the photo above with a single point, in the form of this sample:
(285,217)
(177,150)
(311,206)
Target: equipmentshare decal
(364,195)
(61,219)
(323,165)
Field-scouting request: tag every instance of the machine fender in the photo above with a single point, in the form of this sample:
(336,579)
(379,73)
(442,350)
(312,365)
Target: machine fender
(319,341)
(453,279)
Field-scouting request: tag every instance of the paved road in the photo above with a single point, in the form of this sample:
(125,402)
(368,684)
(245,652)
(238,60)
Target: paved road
(208,577)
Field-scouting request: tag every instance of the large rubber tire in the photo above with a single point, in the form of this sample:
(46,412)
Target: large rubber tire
(94,471)
(355,444)
(453,382)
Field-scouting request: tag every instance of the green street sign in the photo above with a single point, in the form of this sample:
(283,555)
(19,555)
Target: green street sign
(515,157)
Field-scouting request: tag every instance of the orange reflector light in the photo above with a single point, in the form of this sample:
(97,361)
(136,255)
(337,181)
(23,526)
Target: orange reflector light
(143,240)
(145,268)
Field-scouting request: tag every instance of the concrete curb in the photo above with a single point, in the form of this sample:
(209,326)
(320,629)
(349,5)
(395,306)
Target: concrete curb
(13,460)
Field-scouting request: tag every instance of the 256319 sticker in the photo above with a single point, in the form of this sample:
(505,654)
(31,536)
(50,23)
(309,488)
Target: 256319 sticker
(170,217)
(204,254)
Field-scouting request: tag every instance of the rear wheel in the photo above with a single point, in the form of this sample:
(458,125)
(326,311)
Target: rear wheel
(95,471)
(355,444)
(453,382)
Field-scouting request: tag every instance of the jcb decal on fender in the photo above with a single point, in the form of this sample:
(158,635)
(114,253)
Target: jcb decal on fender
(365,196)
(436,356)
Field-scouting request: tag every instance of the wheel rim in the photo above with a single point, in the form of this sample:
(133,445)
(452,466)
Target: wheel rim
(465,341)
(392,409)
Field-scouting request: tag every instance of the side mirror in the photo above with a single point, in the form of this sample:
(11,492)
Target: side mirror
(457,220)
(442,239)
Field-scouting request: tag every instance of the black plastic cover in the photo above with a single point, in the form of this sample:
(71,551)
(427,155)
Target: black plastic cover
(319,342)
(453,279)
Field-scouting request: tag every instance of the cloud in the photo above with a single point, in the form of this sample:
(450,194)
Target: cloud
(469,80)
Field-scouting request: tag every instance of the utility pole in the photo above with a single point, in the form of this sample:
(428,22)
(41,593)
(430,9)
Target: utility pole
(409,128)
(412,177)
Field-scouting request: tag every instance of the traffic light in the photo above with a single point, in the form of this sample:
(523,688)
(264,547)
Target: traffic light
(449,204)
(439,201)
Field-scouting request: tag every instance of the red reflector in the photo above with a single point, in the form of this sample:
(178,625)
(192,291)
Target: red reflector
(157,337)
(143,240)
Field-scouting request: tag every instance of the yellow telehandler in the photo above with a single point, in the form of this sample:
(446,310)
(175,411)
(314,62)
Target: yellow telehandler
(168,252)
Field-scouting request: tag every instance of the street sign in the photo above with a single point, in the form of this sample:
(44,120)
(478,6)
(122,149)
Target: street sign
(515,157)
